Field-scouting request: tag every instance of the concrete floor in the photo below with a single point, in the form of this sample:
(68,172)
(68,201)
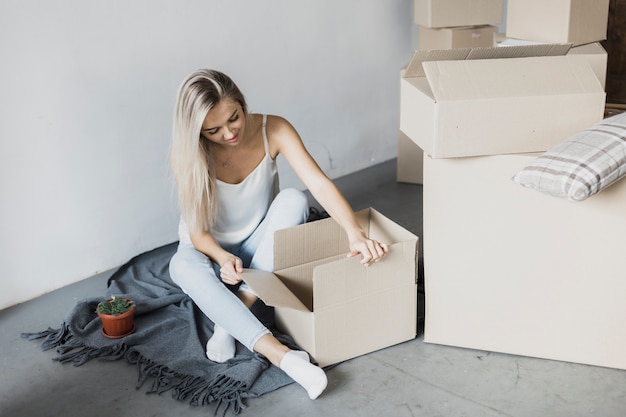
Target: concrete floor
(411,379)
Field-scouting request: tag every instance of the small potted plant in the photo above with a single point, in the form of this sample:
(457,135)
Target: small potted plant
(117,315)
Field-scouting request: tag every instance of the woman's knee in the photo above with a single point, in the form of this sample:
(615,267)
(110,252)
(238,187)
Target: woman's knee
(188,265)
(178,264)
(293,204)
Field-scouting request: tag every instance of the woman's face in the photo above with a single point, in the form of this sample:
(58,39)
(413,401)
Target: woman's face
(225,123)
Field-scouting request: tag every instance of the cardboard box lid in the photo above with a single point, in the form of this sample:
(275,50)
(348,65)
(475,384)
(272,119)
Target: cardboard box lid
(594,48)
(307,243)
(415,67)
(482,73)
(269,288)
(588,48)
(505,78)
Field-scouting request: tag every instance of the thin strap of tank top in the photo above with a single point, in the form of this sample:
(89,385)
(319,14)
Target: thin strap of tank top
(264,131)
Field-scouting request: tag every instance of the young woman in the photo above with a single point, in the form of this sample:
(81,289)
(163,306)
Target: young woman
(223,159)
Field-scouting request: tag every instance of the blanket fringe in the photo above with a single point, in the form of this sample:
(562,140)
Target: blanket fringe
(226,392)
(53,337)
(222,390)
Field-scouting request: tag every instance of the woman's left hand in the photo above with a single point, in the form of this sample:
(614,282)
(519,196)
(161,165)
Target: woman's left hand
(371,250)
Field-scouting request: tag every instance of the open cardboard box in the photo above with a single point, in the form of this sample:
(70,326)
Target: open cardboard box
(500,100)
(334,307)
(509,269)
(571,21)
(448,13)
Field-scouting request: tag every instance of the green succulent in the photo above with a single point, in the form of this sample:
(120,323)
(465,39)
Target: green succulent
(114,306)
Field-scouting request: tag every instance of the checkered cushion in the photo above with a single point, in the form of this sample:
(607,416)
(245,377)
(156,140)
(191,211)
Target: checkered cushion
(583,165)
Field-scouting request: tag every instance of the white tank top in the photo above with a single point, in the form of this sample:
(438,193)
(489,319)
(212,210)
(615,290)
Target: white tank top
(242,206)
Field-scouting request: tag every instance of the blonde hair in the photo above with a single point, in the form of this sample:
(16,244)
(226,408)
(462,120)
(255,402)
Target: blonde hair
(191,159)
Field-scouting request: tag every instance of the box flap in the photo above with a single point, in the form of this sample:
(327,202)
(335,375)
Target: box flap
(347,279)
(415,67)
(386,230)
(504,78)
(269,288)
(312,241)
(594,48)
(308,242)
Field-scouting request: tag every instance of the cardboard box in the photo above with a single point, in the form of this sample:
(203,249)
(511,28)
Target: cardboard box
(457,37)
(333,306)
(487,101)
(410,167)
(560,21)
(448,13)
(508,269)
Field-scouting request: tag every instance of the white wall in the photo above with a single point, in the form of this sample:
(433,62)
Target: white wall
(86,95)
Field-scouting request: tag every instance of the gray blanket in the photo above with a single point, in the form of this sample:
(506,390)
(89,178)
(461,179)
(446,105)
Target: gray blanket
(167,346)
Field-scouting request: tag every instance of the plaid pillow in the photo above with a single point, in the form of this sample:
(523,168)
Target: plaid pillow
(583,165)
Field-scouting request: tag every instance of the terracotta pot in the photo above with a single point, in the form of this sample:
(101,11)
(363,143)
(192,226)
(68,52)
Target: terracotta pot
(118,326)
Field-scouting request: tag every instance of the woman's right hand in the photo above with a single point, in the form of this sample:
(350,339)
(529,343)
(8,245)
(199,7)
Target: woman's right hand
(231,269)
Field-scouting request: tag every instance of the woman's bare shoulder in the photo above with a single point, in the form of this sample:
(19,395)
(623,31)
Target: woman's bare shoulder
(279,126)
(280,133)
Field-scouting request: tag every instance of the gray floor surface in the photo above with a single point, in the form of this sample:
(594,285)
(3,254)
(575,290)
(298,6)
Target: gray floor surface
(411,379)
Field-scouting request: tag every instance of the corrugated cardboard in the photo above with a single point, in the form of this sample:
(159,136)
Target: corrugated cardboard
(410,161)
(457,37)
(333,306)
(448,13)
(508,269)
(565,21)
(486,101)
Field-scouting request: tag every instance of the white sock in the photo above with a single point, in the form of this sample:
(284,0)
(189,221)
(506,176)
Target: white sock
(221,346)
(296,364)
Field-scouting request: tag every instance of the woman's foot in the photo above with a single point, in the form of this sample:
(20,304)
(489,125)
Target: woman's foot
(312,378)
(221,346)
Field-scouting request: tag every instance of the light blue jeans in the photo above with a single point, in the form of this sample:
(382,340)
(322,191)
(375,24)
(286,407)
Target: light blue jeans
(199,278)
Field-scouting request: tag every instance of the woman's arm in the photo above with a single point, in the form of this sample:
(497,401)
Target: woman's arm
(231,266)
(285,140)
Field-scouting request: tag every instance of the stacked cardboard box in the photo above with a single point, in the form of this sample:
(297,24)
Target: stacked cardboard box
(447,24)
(508,269)
(564,21)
